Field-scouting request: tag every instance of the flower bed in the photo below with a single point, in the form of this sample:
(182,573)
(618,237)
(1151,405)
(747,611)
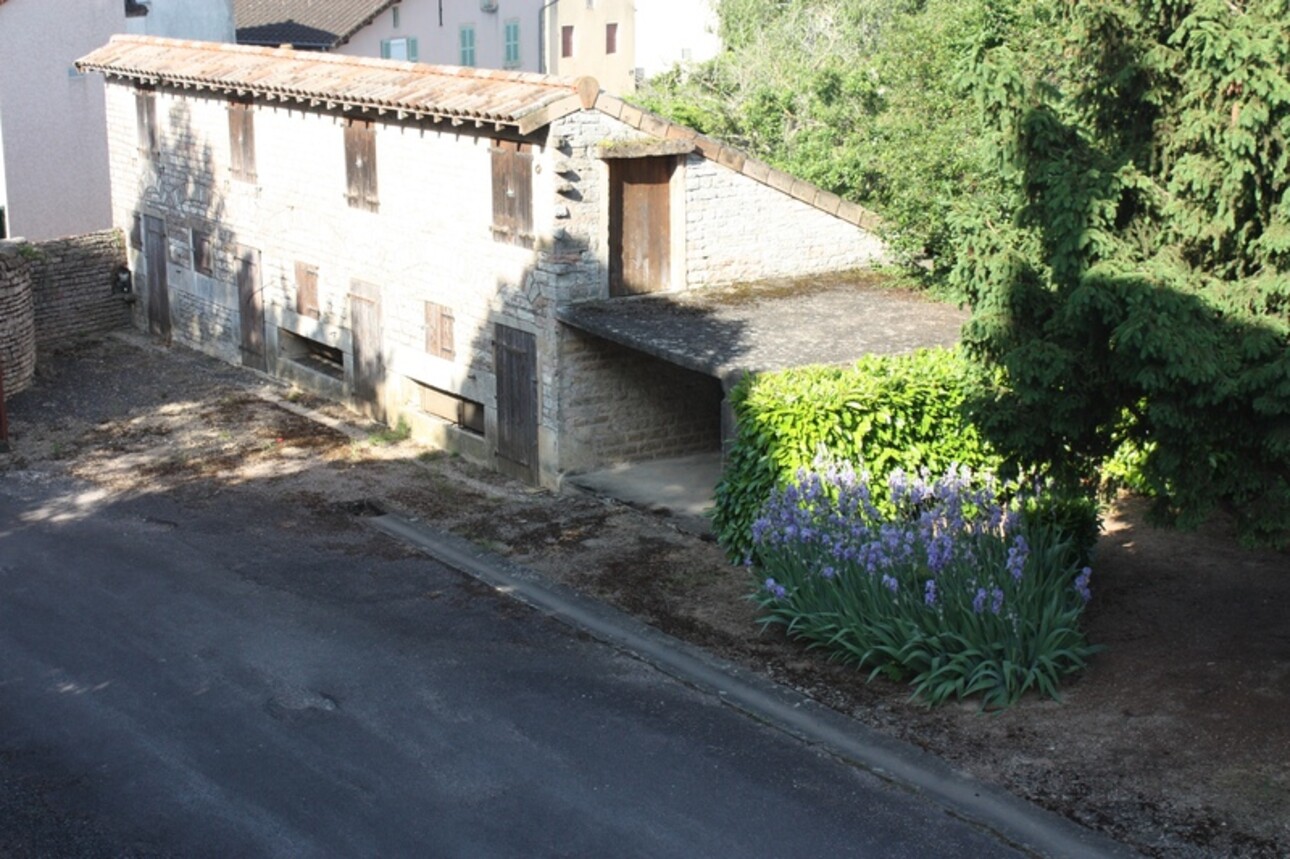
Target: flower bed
(957,591)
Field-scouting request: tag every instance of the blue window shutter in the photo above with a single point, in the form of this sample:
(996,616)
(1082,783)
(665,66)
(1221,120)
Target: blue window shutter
(412,50)
(385,49)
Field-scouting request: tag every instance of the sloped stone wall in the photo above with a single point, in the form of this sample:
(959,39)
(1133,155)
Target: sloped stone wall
(17,320)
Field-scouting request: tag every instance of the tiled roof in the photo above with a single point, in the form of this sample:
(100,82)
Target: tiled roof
(523,100)
(315,24)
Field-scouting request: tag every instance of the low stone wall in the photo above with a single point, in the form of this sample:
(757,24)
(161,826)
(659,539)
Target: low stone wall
(72,285)
(17,323)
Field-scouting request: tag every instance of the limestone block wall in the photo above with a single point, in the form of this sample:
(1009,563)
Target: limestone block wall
(740,229)
(17,320)
(622,406)
(72,282)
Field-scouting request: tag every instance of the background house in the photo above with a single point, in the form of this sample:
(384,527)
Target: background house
(410,239)
(482,33)
(53,149)
(623,42)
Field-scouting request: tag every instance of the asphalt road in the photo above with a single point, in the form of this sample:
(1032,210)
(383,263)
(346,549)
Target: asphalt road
(189,676)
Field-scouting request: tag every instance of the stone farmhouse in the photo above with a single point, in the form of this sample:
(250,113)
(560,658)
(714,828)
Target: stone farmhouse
(417,241)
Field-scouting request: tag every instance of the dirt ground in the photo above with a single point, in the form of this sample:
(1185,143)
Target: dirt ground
(1175,740)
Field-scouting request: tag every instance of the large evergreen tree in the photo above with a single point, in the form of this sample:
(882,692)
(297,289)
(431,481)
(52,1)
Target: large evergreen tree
(1137,285)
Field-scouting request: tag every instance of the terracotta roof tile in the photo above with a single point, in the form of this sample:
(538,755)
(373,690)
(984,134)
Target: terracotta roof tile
(520,99)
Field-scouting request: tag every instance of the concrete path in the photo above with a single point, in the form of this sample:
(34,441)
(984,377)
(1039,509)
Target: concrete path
(219,676)
(680,486)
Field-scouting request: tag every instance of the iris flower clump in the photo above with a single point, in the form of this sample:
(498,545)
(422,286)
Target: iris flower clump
(955,591)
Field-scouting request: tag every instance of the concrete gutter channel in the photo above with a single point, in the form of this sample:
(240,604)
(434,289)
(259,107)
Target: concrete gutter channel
(1021,824)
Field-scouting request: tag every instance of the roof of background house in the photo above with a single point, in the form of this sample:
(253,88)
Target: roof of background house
(309,24)
(523,100)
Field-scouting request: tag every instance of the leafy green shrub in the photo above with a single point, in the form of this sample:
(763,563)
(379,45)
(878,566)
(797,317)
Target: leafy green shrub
(954,591)
(886,412)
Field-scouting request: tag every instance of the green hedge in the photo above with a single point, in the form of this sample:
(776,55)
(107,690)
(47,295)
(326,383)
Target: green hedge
(886,412)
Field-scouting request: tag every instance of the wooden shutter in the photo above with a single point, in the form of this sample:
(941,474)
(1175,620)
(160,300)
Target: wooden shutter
(360,164)
(241,138)
(146,117)
(611,38)
(439,331)
(307,291)
(566,41)
(513,192)
(515,365)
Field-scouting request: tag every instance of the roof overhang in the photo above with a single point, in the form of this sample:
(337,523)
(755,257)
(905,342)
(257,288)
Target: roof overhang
(492,98)
(772,325)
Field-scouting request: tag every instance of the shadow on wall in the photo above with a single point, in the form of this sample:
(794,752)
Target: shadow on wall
(515,390)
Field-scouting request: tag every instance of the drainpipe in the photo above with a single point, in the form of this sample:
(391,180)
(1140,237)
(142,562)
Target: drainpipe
(542,43)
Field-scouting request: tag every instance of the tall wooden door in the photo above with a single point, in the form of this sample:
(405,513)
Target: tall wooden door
(366,333)
(515,354)
(250,303)
(154,251)
(640,224)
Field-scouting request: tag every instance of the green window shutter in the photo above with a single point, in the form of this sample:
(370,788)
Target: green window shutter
(385,49)
(412,50)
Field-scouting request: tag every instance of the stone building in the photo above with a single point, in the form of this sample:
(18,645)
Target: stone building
(410,239)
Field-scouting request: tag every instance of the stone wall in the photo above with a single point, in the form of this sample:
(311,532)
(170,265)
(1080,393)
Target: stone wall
(430,240)
(623,406)
(739,229)
(17,320)
(72,282)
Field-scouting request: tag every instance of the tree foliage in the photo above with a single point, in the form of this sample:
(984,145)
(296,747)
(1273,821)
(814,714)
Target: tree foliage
(862,97)
(1137,286)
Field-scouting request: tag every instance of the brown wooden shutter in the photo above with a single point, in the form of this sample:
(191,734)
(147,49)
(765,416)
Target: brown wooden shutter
(307,291)
(146,116)
(611,38)
(513,192)
(439,331)
(241,135)
(353,156)
(360,164)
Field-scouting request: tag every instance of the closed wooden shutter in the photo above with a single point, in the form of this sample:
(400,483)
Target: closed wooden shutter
(241,138)
(307,291)
(439,331)
(146,117)
(360,164)
(513,192)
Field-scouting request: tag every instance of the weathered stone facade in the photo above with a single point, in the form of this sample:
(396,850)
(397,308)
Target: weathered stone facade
(427,247)
(72,282)
(17,320)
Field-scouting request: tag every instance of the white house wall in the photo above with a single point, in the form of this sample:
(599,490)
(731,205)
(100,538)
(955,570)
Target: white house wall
(437,27)
(55,150)
(674,31)
(205,20)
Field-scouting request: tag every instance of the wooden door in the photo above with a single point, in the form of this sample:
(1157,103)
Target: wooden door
(515,354)
(640,221)
(250,303)
(154,251)
(369,365)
